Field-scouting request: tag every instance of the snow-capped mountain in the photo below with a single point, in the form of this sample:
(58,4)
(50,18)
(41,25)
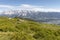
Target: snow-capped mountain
(31,14)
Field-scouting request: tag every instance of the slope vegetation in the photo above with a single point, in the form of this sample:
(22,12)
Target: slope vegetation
(22,29)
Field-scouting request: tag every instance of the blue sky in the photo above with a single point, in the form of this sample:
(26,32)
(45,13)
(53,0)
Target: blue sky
(48,3)
(53,4)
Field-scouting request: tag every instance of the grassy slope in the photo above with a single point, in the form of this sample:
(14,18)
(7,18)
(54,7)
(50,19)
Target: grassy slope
(19,29)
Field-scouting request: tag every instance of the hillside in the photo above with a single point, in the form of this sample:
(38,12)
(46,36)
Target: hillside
(22,29)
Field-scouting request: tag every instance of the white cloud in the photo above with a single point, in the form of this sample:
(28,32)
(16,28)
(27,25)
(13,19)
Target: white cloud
(6,6)
(29,7)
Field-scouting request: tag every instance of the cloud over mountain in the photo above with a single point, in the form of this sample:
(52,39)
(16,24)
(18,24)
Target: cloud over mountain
(28,7)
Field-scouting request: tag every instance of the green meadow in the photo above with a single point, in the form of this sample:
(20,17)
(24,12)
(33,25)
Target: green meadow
(22,29)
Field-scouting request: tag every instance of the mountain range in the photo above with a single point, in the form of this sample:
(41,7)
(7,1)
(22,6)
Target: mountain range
(39,16)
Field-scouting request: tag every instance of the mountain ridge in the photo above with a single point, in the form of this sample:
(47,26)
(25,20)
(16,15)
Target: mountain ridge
(34,15)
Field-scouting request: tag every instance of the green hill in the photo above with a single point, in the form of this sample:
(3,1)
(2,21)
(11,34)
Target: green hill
(22,29)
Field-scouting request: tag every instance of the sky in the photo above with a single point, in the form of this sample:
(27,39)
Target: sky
(42,5)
